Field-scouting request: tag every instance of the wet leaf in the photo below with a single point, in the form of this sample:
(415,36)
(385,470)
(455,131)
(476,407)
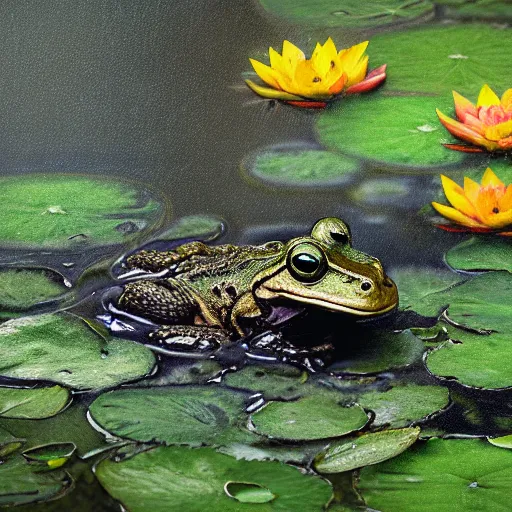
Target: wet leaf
(191,415)
(364,450)
(309,418)
(481,253)
(441,475)
(50,456)
(65,211)
(62,348)
(391,140)
(248,493)
(32,403)
(8,443)
(501,442)
(180,478)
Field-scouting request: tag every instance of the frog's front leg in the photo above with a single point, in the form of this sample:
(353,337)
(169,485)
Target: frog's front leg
(188,337)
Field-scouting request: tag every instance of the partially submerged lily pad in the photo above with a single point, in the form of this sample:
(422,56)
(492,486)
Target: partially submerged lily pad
(50,456)
(388,131)
(191,415)
(372,448)
(441,475)
(351,13)
(481,253)
(62,348)
(8,443)
(32,403)
(248,492)
(200,227)
(501,442)
(169,478)
(309,418)
(301,167)
(66,211)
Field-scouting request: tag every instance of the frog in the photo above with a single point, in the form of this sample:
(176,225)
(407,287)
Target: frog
(222,293)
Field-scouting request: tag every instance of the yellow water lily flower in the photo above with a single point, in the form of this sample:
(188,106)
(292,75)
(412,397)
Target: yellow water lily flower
(312,82)
(478,207)
(488,124)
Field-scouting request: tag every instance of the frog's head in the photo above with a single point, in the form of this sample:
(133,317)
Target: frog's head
(324,270)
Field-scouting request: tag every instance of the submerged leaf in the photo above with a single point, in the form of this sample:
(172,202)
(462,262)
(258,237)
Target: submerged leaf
(32,403)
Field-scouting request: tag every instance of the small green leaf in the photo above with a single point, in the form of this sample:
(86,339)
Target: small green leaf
(32,403)
(501,442)
(52,456)
(248,493)
(8,443)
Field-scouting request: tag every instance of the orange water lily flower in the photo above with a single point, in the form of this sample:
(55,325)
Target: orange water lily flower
(488,124)
(312,82)
(481,207)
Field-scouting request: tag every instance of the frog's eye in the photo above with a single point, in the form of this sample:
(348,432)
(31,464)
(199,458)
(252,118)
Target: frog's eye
(307,263)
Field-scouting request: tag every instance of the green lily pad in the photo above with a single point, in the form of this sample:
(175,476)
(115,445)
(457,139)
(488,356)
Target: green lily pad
(274,382)
(375,351)
(404,405)
(32,403)
(441,475)
(248,493)
(367,449)
(50,456)
(498,10)
(191,415)
(481,253)
(351,13)
(401,131)
(501,442)
(62,348)
(414,284)
(439,59)
(202,227)
(71,211)
(22,288)
(178,478)
(191,372)
(8,443)
(463,359)
(282,166)
(19,484)
(309,418)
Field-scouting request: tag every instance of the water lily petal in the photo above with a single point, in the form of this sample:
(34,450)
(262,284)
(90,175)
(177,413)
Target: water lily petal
(506,100)
(489,179)
(266,73)
(373,80)
(457,198)
(456,216)
(499,131)
(471,189)
(324,57)
(463,132)
(505,144)
(505,202)
(358,73)
(463,106)
(276,61)
(291,57)
(349,57)
(337,87)
(475,124)
(273,94)
(487,97)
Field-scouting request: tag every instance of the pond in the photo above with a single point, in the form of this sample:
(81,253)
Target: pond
(129,125)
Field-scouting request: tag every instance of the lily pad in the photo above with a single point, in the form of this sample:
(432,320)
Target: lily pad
(383,191)
(32,403)
(404,405)
(439,59)
(248,493)
(364,450)
(72,211)
(178,478)
(22,288)
(309,418)
(8,443)
(389,131)
(497,10)
(351,13)
(192,415)
(473,359)
(282,166)
(501,442)
(19,484)
(62,348)
(481,253)
(50,456)
(201,227)
(441,475)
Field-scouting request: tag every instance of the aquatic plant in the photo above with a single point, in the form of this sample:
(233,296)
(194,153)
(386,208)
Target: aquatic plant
(313,82)
(488,124)
(480,207)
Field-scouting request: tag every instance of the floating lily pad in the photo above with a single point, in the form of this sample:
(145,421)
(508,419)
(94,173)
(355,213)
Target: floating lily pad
(414,284)
(439,59)
(178,478)
(19,484)
(501,442)
(441,475)
(69,211)
(193,372)
(62,348)
(32,403)
(367,449)
(201,227)
(191,415)
(350,13)
(498,10)
(50,456)
(404,405)
(8,443)
(300,167)
(481,253)
(22,288)
(473,359)
(309,418)
(275,382)
(401,131)
(248,493)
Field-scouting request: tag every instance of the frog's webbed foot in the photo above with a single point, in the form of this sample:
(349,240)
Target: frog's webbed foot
(184,337)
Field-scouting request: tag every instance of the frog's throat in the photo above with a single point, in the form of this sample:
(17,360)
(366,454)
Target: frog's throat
(336,307)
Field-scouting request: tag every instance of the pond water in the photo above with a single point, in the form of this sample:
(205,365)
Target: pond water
(136,116)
